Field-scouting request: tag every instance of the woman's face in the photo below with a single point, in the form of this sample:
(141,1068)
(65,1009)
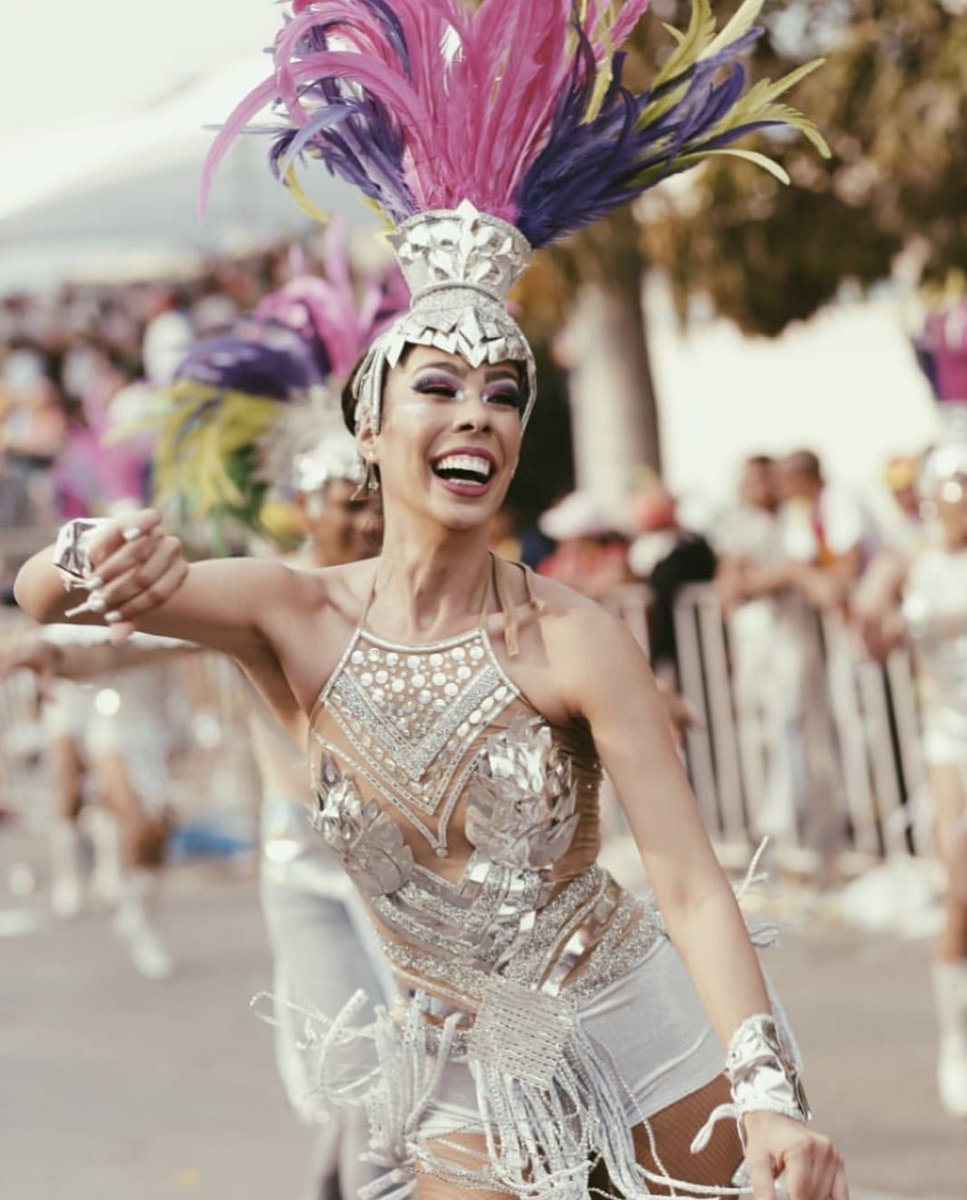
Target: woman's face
(450,436)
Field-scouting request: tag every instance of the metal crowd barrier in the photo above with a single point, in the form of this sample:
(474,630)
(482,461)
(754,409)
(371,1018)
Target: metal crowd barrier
(803,738)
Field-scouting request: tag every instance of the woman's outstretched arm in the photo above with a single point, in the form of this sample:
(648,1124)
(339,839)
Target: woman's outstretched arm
(606,680)
(142,581)
(138,579)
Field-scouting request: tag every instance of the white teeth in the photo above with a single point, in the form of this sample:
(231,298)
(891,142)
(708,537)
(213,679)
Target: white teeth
(472,464)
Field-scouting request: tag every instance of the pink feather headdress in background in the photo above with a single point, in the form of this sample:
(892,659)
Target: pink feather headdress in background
(258,407)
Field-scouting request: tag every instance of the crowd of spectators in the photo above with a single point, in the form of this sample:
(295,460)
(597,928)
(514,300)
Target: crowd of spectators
(790,530)
(66,356)
(70,360)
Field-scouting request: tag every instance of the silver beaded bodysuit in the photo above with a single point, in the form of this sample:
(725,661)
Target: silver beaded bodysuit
(469,825)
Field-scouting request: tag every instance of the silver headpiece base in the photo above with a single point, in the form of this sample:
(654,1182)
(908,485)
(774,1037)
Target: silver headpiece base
(459,265)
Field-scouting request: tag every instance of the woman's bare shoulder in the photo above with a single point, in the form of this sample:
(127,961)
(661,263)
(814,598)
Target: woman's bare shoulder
(571,630)
(342,589)
(598,667)
(565,613)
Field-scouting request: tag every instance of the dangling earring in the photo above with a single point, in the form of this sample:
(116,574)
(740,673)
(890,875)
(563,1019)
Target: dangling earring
(370,485)
(368,480)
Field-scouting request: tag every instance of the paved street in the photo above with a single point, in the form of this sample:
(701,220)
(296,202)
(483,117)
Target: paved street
(113,1088)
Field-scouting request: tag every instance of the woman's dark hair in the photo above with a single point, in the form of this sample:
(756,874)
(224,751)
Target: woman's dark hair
(348,399)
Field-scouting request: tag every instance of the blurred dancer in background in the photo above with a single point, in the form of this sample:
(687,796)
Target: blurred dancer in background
(274,376)
(323,947)
(108,741)
(923,596)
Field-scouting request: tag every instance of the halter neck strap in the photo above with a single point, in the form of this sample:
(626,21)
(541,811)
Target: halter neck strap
(508,611)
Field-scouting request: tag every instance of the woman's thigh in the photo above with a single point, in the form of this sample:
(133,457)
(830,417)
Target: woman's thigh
(950,823)
(663,1145)
(468,1150)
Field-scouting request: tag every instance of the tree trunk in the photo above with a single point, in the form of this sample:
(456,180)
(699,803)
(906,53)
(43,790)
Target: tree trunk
(614,413)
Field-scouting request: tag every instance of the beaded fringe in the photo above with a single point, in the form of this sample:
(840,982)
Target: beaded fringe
(543,1137)
(545,1130)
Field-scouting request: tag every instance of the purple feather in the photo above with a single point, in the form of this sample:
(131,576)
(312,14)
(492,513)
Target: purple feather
(588,168)
(423,103)
(245,361)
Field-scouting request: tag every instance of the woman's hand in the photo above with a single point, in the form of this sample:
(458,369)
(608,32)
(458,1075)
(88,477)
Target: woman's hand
(811,1165)
(136,567)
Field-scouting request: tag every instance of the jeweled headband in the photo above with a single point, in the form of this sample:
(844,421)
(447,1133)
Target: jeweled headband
(483,133)
(459,266)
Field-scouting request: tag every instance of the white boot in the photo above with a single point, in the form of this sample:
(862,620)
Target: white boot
(133,925)
(950,994)
(66,852)
(105,834)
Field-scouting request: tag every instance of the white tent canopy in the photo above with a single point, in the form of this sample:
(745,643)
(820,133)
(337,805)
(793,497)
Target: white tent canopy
(121,197)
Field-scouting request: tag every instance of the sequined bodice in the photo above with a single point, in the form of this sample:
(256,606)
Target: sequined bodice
(468,822)
(410,716)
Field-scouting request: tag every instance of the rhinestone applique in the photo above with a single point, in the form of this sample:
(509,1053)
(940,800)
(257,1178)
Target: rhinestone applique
(416,728)
(521,809)
(414,714)
(367,842)
(519,1032)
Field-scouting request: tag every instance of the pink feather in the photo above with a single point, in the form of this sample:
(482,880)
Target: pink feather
(238,119)
(475,99)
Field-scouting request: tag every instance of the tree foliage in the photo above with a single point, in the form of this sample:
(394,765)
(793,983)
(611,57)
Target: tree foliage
(892,101)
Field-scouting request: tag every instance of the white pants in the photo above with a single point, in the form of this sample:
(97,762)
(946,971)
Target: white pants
(322,955)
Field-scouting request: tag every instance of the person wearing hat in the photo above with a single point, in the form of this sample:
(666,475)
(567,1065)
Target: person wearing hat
(589,555)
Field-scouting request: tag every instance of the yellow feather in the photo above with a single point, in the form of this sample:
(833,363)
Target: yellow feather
(740,24)
(752,156)
(691,43)
(301,199)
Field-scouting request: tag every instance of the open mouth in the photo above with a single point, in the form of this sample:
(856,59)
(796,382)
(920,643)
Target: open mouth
(465,471)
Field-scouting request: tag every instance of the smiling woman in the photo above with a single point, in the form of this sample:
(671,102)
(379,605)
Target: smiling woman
(462,424)
(552,1036)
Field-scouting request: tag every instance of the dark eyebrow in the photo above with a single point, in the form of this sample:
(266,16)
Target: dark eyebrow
(503,373)
(458,368)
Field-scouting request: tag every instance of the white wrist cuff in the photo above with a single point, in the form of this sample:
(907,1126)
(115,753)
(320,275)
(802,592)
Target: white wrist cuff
(763,1073)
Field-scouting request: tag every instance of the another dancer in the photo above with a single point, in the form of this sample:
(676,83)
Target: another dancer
(107,743)
(923,596)
(460,710)
(271,387)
